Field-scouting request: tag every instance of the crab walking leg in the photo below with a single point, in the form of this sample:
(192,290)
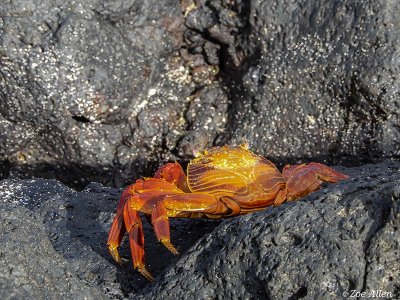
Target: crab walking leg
(118,229)
(174,205)
(280,197)
(173,173)
(159,219)
(140,196)
(323,172)
(134,227)
(115,236)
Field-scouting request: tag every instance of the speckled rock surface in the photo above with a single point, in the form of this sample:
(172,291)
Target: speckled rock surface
(308,78)
(92,88)
(340,238)
(30,268)
(54,242)
(105,91)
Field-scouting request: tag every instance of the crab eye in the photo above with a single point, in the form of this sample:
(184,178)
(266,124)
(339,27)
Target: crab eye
(196,152)
(245,145)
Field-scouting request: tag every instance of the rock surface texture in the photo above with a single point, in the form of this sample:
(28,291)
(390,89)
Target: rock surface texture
(103,91)
(344,237)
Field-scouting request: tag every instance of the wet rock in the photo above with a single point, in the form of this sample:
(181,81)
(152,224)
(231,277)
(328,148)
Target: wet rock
(86,87)
(207,112)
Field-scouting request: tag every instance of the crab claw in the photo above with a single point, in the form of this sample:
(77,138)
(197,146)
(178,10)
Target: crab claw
(304,179)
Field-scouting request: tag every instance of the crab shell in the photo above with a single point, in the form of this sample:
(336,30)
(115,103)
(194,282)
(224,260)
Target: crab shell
(252,181)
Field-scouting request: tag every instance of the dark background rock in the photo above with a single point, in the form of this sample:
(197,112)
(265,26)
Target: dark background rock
(90,87)
(100,91)
(308,79)
(340,238)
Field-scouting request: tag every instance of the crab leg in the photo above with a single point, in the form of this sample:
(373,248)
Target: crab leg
(118,229)
(159,219)
(115,236)
(321,171)
(325,173)
(142,196)
(188,204)
(195,202)
(173,173)
(139,200)
(134,226)
(280,197)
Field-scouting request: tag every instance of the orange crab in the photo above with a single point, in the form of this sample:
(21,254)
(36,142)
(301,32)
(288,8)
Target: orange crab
(222,182)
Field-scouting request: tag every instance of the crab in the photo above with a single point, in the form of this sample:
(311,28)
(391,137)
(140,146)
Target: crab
(222,182)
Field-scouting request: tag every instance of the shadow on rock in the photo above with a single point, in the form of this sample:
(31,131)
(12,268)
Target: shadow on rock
(77,224)
(88,219)
(77,175)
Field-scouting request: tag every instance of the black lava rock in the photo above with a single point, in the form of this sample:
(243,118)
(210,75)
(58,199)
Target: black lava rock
(107,91)
(30,267)
(90,88)
(100,91)
(344,237)
(308,79)
(55,238)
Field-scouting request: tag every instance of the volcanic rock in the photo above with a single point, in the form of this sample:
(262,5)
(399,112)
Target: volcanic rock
(343,237)
(100,91)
